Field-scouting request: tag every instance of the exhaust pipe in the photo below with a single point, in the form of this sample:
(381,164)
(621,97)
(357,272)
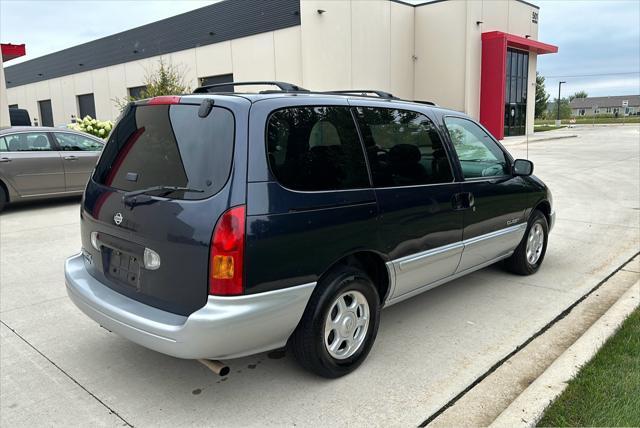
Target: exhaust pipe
(216,366)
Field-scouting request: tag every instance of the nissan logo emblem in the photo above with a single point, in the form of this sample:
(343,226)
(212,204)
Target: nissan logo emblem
(117,219)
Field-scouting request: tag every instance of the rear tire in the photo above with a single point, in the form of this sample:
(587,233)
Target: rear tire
(339,325)
(529,254)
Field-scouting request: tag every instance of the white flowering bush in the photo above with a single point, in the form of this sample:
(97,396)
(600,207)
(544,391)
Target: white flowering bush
(92,126)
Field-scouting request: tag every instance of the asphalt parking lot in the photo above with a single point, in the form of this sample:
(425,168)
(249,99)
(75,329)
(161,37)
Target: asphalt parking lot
(59,367)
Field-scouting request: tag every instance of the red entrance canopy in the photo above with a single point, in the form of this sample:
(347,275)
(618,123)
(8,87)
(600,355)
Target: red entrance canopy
(10,51)
(494,74)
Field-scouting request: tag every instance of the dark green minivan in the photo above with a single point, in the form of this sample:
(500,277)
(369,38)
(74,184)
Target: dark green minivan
(219,225)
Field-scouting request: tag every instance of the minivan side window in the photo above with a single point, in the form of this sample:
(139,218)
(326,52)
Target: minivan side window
(479,155)
(403,148)
(316,149)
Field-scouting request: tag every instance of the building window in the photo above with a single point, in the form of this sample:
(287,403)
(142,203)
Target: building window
(517,70)
(46,113)
(137,92)
(221,78)
(581,112)
(596,111)
(86,106)
(13,106)
(608,109)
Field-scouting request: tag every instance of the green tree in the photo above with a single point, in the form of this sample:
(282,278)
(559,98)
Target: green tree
(542,98)
(165,79)
(579,94)
(565,109)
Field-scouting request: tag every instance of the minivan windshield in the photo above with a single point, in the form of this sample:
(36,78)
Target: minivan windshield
(160,146)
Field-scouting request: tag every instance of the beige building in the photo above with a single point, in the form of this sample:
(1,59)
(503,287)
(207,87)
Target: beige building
(477,56)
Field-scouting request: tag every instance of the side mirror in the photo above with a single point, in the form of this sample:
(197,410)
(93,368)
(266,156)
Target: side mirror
(522,167)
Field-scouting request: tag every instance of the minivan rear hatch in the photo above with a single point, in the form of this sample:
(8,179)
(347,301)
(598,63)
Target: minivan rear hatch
(153,201)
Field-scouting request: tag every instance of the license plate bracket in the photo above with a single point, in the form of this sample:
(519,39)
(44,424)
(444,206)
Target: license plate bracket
(124,268)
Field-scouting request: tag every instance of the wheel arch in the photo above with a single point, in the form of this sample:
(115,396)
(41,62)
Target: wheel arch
(371,262)
(545,208)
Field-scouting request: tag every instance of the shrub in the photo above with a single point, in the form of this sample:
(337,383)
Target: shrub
(165,79)
(92,126)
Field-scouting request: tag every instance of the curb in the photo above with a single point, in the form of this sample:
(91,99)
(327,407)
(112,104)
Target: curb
(527,409)
(535,140)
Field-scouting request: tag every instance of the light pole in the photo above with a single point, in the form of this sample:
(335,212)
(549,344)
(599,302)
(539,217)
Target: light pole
(559,88)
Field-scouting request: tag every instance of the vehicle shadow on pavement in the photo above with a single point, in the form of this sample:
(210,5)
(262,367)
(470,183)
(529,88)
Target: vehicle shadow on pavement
(35,205)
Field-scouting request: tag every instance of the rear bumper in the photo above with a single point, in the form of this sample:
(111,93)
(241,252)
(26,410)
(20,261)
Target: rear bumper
(226,327)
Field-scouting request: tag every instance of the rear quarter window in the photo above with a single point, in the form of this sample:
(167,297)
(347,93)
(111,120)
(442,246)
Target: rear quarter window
(169,145)
(316,149)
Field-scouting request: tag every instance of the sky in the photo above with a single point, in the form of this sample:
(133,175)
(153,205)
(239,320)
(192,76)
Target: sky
(598,38)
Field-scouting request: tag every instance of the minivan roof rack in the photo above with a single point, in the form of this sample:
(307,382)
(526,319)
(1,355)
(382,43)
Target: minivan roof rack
(290,87)
(283,86)
(363,92)
(429,103)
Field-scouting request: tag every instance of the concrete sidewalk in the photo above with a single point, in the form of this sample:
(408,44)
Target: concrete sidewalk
(529,407)
(505,385)
(538,137)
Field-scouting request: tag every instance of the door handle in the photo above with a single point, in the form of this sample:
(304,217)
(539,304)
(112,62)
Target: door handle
(72,158)
(470,199)
(457,201)
(5,160)
(463,201)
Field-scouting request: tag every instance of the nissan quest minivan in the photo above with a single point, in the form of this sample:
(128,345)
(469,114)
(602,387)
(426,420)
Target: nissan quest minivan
(219,225)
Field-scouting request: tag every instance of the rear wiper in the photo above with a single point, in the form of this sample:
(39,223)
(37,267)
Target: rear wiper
(166,190)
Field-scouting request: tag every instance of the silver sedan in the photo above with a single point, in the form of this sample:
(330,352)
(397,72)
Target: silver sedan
(43,162)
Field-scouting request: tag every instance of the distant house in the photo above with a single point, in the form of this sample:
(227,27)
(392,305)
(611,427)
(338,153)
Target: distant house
(617,105)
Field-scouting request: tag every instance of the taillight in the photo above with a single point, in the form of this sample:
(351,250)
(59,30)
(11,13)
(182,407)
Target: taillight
(163,100)
(227,254)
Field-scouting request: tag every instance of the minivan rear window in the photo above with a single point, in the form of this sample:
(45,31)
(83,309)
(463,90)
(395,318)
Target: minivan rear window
(169,145)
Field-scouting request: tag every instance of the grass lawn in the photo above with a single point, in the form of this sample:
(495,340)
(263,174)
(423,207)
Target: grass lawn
(592,120)
(543,128)
(606,391)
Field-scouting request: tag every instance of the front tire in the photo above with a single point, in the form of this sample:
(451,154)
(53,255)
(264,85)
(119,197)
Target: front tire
(3,198)
(529,254)
(339,325)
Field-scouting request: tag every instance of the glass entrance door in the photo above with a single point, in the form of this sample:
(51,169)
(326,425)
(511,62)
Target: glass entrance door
(515,109)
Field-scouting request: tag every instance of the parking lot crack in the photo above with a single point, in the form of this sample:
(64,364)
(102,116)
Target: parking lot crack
(112,411)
